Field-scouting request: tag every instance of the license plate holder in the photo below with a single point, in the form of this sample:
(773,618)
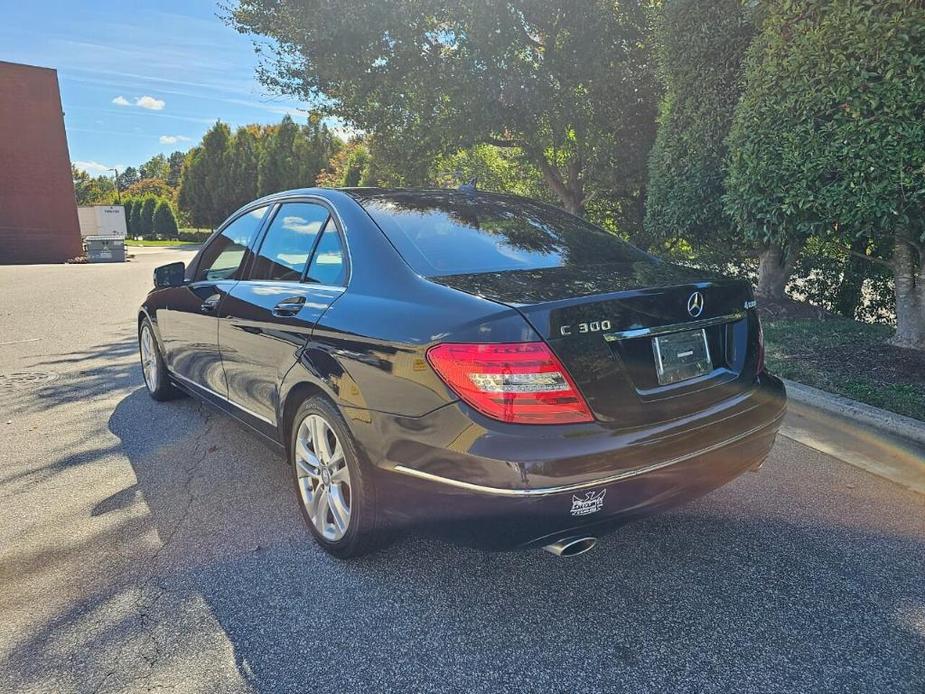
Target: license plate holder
(681,356)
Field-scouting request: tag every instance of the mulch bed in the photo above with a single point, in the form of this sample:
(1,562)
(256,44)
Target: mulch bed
(773,309)
(880,362)
(818,348)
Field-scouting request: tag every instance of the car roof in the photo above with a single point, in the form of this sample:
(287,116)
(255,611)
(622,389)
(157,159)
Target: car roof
(422,195)
(362,193)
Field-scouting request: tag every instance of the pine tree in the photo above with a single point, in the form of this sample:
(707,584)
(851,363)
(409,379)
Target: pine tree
(226,171)
(205,193)
(277,169)
(175,168)
(314,149)
(244,160)
(192,190)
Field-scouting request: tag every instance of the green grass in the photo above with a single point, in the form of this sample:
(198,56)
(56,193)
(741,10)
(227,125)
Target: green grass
(849,358)
(188,236)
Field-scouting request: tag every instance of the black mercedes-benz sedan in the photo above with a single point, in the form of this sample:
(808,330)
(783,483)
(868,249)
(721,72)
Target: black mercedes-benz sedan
(480,365)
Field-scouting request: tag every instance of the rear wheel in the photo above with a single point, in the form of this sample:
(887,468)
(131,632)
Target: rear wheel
(152,365)
(335,492)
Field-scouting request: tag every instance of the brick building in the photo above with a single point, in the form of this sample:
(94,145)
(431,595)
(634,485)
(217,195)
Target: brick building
(38,212)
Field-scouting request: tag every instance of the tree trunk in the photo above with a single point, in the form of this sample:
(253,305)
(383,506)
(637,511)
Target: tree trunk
(848,296)
(573,204)
(909,287)
(570,191)
(775,263)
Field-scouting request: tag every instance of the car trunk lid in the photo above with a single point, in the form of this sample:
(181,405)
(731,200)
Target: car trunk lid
(602,323)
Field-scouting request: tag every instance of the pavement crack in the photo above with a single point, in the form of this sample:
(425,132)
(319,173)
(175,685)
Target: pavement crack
(149,591)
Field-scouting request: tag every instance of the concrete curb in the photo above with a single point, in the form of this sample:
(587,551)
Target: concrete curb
(896,424)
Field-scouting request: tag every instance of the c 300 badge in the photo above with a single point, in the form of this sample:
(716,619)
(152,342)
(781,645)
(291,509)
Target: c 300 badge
(591,502)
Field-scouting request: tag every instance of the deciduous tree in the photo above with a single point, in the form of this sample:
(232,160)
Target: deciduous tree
(348,167)
(89,190)
(155,167)
(149,186)
(498,169)
(572,85)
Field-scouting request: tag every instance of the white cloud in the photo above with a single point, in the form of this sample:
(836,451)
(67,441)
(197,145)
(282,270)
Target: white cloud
(150,103)
(94,168)
(173,139)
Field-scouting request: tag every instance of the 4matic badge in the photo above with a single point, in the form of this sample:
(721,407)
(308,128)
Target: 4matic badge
(591,502)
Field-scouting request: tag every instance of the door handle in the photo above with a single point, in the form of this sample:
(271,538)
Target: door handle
(289,307)
(209,304)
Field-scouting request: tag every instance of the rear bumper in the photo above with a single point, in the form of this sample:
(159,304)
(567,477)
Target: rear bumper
(501,486)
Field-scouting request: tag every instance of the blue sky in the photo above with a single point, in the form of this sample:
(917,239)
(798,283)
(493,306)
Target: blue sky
(138,78)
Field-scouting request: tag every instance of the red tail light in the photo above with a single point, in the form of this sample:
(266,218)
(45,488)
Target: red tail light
(518,382)
(759,364)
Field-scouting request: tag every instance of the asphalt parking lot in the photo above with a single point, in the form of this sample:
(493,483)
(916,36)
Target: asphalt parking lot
(147,545)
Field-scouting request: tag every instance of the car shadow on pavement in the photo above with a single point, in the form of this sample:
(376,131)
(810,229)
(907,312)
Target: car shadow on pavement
(86,378)
(78,376)
(714,596)
(686,598)
(692,595)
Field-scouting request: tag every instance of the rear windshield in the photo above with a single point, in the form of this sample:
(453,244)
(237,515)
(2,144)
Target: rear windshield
(449,233)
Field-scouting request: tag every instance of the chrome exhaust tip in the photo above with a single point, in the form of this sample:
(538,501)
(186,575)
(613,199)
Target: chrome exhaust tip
(571,546)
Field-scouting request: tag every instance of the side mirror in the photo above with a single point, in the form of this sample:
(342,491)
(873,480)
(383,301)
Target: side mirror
(172,275)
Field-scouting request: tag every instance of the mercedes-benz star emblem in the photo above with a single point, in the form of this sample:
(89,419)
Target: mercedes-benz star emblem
(695,304)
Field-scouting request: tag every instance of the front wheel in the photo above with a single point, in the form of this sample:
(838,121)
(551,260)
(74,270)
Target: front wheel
(152,365)
(336,494)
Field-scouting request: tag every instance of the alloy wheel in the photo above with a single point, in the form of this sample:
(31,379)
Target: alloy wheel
(149,363)
(324,478)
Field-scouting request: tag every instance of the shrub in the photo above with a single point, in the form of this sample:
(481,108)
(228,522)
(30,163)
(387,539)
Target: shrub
(128,204)
(828,138)
(135,224)
(147,217)
(164,222)
(702,45)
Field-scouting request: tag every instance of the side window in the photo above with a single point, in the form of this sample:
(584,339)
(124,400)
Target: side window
(222,258)
(329,264)
(289,241)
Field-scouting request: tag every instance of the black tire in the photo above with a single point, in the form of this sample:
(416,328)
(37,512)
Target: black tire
(161,389)
(366,530)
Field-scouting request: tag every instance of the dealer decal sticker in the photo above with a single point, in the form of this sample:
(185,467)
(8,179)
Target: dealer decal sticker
(591,502)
